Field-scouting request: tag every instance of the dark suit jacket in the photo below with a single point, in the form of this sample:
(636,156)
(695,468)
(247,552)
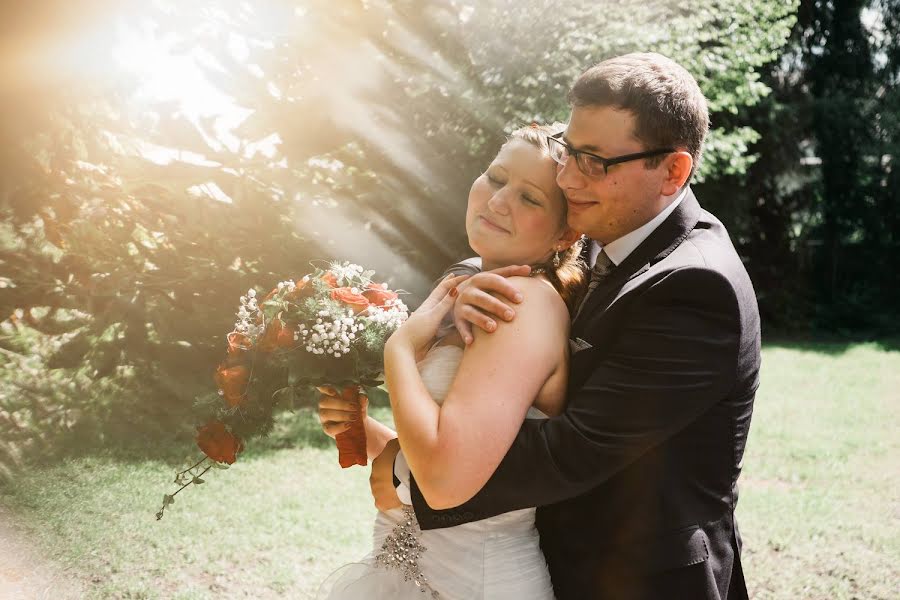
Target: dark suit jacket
(636,480)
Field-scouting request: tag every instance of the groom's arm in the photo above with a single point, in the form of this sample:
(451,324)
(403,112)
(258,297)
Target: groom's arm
(481,296)
(472,267)
(664,368)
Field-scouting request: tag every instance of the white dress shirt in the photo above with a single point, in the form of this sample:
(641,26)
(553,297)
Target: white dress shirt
(617,251)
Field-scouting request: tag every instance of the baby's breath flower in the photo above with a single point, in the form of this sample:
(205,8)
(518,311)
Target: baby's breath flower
(329,335)
(392,316)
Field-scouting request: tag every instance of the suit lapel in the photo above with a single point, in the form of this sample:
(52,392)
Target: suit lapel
(659,244)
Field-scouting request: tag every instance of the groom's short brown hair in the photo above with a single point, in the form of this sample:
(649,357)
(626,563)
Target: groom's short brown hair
(668,106)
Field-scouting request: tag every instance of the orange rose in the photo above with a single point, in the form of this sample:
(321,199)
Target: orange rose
(277,335)
(330,278)
(237,343)
(357,302)
(218,443)
(298,292)
(379,295)
(232,382)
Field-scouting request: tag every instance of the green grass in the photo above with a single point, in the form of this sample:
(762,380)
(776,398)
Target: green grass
(818,509)
(819,494)
(272,526)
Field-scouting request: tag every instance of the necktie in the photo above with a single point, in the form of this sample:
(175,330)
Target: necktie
(602,269)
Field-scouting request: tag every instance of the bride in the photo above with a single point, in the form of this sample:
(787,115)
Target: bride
(463,405)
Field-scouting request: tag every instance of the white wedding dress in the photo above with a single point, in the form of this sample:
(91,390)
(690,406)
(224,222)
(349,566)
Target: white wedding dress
(493,559)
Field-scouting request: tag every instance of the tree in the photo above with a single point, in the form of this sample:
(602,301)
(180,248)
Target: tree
(131,225)
(815,216)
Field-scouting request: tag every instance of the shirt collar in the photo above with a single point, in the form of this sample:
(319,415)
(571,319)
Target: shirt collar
(618,250)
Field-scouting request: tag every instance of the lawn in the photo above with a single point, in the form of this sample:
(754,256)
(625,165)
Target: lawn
(818,508)
(820,495)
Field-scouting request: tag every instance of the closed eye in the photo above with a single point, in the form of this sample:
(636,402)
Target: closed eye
(494,180)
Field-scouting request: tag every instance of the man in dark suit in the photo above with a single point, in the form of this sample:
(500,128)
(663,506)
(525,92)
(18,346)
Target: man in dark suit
(636,482)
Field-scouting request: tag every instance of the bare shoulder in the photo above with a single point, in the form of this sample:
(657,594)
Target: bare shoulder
(540,317)
(541,311)
(539,296)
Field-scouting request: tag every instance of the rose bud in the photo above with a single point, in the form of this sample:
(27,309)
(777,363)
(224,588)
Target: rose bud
(218,443)
(277,335)
(232,383)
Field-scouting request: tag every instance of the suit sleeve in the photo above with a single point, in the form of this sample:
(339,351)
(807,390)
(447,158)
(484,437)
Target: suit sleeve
(469,266)
(673,357)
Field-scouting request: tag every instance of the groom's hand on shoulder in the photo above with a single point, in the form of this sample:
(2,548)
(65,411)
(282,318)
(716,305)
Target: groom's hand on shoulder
(381,481)
(486,297)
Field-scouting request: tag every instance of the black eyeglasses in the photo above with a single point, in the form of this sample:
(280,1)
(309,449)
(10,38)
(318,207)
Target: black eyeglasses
(593,165)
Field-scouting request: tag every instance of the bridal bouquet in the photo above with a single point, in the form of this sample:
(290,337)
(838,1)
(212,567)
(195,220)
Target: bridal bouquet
(327,328)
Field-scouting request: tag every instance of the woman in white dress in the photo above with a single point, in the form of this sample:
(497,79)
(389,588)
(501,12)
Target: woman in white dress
(457,408)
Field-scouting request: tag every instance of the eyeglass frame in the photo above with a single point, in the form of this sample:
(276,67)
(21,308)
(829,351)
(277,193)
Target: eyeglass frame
(606,162)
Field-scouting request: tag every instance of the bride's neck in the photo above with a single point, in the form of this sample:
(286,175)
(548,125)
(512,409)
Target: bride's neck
(487,265)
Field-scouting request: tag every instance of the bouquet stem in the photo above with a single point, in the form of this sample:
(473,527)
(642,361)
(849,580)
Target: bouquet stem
(352,443)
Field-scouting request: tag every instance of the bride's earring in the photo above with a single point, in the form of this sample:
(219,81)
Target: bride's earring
(556,260)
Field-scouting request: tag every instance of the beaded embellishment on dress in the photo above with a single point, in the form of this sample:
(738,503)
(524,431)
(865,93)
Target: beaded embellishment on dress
(401,550)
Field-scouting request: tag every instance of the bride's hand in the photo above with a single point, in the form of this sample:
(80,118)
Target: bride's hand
(421,326)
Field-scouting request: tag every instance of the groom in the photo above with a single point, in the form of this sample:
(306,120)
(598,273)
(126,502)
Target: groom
(636,480)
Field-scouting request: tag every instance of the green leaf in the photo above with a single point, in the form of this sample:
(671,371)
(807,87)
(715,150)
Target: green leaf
(71,354)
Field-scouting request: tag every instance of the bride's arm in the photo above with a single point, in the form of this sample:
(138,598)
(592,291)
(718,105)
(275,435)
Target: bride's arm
(453,449)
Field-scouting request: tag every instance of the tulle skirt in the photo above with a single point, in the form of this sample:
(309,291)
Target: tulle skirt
(494,559)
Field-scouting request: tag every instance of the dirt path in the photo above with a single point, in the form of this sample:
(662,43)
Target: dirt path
(24,573)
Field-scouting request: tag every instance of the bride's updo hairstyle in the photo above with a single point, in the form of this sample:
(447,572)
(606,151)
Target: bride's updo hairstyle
(569,277)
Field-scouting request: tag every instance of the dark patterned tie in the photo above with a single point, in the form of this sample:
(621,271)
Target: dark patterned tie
(602,268)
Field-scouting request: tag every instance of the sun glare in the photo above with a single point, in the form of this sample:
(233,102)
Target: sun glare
(165,76)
